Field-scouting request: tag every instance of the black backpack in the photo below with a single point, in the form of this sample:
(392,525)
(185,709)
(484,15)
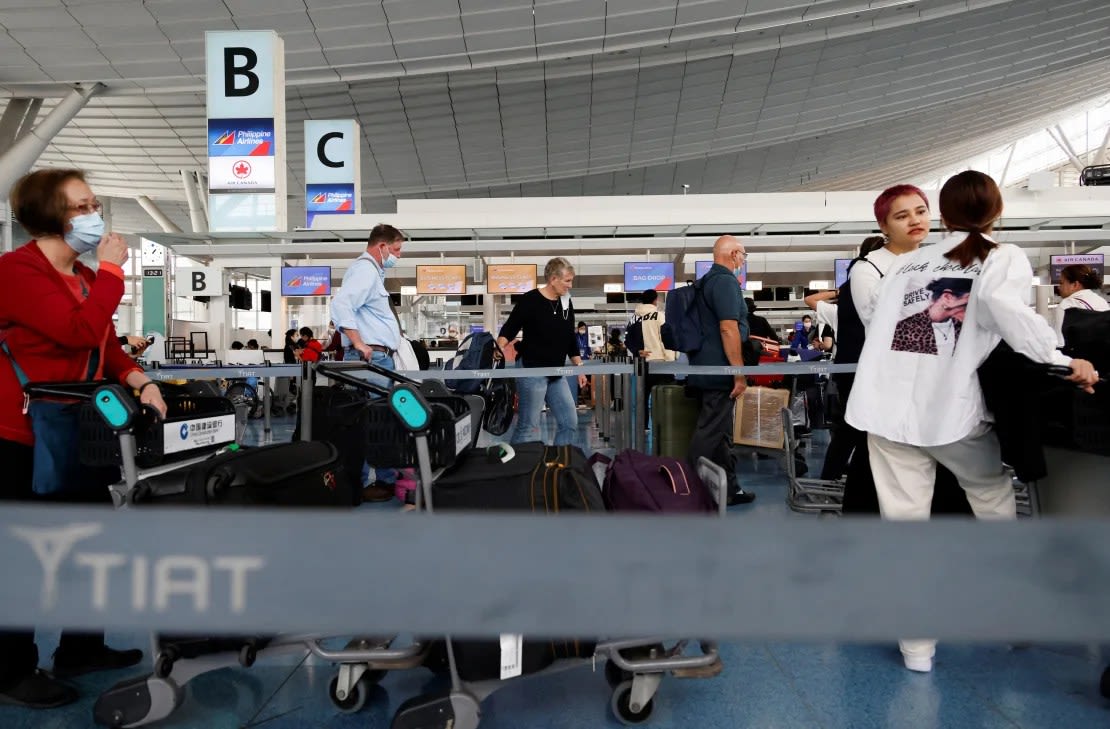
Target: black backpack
(850,332)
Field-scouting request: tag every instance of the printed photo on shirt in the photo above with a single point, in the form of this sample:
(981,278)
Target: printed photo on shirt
(933,316)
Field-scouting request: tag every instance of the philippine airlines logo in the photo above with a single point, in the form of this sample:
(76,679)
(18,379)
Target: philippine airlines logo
(241,169)
(320,198)
(225,139)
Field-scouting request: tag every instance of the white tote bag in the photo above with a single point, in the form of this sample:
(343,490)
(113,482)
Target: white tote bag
(404,359)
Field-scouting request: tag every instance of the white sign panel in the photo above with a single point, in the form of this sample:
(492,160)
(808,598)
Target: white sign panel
(242,74)
(199,433)
(331,150)
(199,282)
(249,174)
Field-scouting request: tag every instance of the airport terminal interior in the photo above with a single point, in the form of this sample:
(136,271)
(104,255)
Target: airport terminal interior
(245,150)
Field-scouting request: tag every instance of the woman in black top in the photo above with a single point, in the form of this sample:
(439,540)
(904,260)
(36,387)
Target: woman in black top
(546,317)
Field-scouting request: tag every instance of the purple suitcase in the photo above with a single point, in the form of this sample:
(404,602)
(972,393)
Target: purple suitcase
(638,482)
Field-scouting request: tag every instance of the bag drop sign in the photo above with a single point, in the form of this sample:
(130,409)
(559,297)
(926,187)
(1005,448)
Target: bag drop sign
(190,434)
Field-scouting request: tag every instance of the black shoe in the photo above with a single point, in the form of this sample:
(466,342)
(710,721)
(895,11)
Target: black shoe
(39,691)
(740,497)
(105,659)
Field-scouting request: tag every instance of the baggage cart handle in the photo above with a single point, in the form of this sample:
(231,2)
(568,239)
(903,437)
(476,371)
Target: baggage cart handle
(343,374)
(326,368)
(78,390)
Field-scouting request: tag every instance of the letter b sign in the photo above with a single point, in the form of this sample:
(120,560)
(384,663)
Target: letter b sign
(199,282)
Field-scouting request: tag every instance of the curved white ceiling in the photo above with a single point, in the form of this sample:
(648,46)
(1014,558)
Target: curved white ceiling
(511,97)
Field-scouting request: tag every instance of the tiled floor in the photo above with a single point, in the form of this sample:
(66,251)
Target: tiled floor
(772,685)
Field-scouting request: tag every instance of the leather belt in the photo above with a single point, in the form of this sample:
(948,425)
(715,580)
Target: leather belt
(380,348)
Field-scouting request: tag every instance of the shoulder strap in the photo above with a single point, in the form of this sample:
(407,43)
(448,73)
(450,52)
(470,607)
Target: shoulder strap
(19,373)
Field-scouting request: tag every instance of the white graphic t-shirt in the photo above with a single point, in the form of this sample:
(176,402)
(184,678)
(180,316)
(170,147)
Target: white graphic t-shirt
(934,324)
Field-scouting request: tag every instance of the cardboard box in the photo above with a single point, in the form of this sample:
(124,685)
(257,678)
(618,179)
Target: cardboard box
(758,417)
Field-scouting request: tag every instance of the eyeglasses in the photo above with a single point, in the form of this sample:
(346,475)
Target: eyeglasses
(88,208)
(743,255)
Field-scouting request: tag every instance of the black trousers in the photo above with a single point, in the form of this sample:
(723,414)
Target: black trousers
(19,656)
(713,433)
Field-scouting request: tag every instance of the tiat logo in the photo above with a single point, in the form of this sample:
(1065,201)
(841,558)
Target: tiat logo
(320,198)
(225,139)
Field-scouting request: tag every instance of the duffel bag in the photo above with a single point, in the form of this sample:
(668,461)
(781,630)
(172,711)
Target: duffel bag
(638,482)
(538,478)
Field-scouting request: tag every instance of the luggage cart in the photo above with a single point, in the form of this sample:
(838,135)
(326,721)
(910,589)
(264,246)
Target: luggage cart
(115,430)
(634,669)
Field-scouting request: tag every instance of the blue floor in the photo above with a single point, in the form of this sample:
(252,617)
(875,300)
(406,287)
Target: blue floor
(772,685)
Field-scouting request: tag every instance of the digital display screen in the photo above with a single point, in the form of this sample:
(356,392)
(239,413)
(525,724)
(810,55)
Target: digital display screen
(841,266)
(649,275)
(510,278)
(440,280)
(702,267)
(1059,263)
(306,281)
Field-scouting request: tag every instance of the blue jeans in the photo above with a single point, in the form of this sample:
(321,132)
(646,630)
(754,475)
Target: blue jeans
(383,360)
(533,392)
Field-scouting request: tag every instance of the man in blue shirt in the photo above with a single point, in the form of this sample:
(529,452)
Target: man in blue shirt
(724,321)
(370,331)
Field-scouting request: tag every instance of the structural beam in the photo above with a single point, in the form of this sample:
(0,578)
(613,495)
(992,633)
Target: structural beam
(196,214)
(12,121)
(18,158)
(1062,142)
(167,225)
(1101,158)
(29,118)
(1006,169)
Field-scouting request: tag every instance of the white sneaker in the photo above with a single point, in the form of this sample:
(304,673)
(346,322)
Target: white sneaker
(923,664)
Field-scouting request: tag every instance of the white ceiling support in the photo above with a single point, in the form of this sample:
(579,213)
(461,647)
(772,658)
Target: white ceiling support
(1101,158)
(167,225)
(192,196)
(202,192)
(12,121)
(1006,169)
(17,159)
(1062,142)
(29,118)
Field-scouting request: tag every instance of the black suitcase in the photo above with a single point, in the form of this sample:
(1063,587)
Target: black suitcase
(299,474)
(539,478)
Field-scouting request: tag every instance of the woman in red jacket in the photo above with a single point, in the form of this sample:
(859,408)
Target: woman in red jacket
(56,325)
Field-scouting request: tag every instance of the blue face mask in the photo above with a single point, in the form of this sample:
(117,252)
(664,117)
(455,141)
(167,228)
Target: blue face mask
(389,261)
(86,232)
(737,271)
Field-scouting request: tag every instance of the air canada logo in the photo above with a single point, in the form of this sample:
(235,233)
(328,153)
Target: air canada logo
(225,139)
(320,198)
(241,169)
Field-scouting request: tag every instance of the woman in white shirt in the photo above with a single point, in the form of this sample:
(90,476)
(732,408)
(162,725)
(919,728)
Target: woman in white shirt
(920,403)
(1079,285)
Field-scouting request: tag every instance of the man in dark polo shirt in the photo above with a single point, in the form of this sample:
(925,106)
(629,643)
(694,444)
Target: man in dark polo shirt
(724,322)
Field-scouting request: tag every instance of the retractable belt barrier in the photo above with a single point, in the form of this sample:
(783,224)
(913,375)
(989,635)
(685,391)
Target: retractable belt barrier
(229,372)
(193,570)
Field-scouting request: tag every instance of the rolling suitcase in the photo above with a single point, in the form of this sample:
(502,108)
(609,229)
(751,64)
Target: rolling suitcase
(674,417)
(536,478)
(300,474)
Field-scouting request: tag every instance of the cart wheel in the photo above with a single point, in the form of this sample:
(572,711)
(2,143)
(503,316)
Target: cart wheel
(163,666)
(248,654)
(615,675)
(621,704)
(1104,684)
(355,700)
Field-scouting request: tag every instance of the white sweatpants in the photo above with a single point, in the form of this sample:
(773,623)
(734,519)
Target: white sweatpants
(904,479)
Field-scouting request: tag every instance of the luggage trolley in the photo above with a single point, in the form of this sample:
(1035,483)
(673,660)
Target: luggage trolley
(116,431)
(634,668)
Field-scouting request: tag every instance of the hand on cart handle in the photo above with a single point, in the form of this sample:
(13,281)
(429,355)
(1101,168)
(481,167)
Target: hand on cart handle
(1084,374)
(151,397)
